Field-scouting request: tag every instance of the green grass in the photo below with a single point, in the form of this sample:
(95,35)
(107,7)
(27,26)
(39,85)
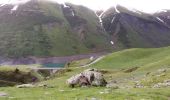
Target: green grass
(63,92)
(115,66)
(152,58)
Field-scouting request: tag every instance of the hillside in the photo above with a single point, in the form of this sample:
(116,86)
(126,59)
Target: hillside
(145,59)
(133,74)
(131,28)
(42,28)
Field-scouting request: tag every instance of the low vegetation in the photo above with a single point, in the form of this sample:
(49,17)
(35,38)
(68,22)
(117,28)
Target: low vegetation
(134,72)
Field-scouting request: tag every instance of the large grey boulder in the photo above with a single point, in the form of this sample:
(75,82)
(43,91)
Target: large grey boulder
(90,77)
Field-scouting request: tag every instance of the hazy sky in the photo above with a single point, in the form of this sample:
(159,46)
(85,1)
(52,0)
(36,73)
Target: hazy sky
(143,5)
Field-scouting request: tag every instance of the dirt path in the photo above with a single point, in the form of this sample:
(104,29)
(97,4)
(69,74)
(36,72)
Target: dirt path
(95,61)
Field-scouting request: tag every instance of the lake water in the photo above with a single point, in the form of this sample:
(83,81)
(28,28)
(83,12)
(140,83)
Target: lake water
(54,65)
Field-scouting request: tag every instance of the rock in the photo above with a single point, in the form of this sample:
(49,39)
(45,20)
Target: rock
(61,90)
(3,94)
(89,77)
(25,86)
(112,85)
(92,69)
(162,70)
(95,77)
(106,91)
(74,80)
(94,98)
(166,83)
(45,86)
(138,85)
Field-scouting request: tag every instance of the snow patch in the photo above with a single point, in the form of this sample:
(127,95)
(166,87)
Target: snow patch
(2,5)
(113,19)
(100,20)
(112,42)
(163,10)
(65,6)
(160,19)
(15,8)
(117,10)
(135,11)
(72,12)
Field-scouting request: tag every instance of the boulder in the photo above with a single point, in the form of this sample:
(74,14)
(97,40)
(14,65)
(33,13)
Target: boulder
(25,86)
(112,85)
(3,94)
(88,77)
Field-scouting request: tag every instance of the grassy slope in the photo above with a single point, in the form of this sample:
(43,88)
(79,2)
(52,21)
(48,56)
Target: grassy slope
(149,60)
(62,92)
(143,58)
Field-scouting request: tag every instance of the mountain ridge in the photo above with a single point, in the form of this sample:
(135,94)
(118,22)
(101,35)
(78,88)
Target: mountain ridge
(130,29)
(41,28)
(44,29)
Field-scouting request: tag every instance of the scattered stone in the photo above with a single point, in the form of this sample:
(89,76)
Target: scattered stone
(92,69)
(162,70)
(138,85)
(25,86)
(166,83)
(102,92)
(46,93)
(106,91)
(61,90)
(94,99)
(148,73)
(131,70)
(160,75)
(44,85)
(11,97)
(112,85)
(3,94)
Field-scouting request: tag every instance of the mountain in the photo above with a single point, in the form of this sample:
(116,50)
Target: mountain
(130,28)
(43,28)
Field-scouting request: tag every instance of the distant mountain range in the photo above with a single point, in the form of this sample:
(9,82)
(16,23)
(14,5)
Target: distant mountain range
(42,28)
(132,28)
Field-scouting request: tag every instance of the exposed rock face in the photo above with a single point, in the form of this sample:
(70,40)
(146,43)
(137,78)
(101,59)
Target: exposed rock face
(131,28)
(94,78)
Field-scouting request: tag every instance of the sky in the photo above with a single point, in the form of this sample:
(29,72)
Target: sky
(148,6)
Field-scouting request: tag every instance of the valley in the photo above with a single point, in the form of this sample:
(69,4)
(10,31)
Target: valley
(136,77)
(64,51)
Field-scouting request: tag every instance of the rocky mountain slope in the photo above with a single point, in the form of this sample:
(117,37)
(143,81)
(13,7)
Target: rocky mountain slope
(132,28)
(42,28)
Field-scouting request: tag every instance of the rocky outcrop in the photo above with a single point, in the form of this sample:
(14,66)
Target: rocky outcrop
(88,77)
